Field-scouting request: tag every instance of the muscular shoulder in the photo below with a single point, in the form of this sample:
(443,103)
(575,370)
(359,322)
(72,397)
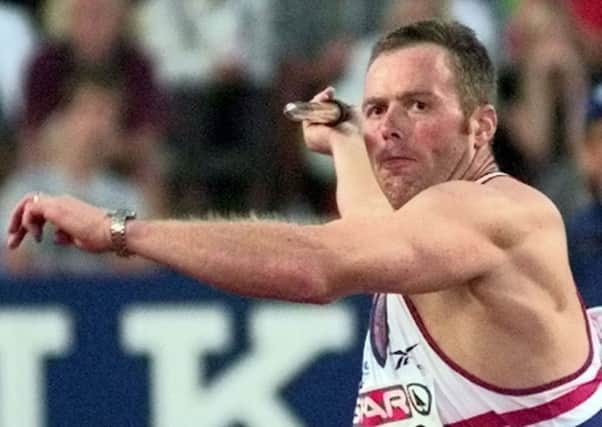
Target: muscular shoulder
(504,207)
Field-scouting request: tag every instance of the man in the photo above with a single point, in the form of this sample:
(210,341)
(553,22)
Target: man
(96,38)
(476,319)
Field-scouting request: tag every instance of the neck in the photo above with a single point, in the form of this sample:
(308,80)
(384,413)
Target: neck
(481,164)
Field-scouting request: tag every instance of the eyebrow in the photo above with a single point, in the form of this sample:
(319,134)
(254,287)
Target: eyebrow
(411,94)
(371,101)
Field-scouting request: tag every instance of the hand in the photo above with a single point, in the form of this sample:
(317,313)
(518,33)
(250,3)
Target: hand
(78,223)
(320,137)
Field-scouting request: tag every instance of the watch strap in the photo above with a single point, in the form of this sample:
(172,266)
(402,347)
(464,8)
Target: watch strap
(119,218)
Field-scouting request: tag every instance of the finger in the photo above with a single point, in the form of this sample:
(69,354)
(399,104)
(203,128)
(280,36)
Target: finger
(17,213)
(33,219)
(15,239)
(323,96)
(326,95)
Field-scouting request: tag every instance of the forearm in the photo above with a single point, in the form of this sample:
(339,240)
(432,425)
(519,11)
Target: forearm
(257,259)
(358,192)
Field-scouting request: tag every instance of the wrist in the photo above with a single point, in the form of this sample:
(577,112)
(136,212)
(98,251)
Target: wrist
(118,230)
(342,143)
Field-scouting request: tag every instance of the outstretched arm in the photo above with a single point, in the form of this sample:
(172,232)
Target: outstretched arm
(436,241)
(252,258)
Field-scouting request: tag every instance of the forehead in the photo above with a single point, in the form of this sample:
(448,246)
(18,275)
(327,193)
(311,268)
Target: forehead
(417,68)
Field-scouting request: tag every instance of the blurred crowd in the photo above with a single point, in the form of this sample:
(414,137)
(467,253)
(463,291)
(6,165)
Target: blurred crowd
(174,107)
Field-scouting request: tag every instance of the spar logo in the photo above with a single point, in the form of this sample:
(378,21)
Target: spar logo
(387,405)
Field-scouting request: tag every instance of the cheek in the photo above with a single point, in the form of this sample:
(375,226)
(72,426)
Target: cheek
(430,135)
(437,136)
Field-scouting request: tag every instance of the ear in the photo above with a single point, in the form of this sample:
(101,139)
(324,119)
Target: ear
(484,124)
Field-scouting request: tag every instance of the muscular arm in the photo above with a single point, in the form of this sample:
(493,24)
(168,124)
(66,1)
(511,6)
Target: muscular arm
(438,240)
(420,248)
(259,259)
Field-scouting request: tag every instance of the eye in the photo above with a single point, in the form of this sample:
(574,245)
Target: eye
(373,110)
(418,105)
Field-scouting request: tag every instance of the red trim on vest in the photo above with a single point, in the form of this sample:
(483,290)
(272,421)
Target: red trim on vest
(536,414)
(476,380)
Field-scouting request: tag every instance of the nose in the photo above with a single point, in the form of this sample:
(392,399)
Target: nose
(392,124)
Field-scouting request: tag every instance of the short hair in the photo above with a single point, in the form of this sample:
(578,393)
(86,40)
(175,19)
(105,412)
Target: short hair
(474,70)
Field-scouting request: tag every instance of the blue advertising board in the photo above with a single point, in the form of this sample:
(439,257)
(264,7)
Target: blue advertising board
(162,350)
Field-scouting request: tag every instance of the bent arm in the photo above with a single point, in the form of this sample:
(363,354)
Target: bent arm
(358,192)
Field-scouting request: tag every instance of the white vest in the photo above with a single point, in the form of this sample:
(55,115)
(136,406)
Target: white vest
(407,381)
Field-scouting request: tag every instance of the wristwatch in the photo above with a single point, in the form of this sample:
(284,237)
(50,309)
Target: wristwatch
(119,218)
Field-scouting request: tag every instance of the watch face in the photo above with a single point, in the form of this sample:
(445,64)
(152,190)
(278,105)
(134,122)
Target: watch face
(119,218)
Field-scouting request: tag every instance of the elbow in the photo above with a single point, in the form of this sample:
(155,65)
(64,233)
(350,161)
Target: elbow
(316,295)
(314,285)
(319,297)
(322,272)
(314,289)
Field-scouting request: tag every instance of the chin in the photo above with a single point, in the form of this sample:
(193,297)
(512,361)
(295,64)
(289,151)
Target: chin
(399,192)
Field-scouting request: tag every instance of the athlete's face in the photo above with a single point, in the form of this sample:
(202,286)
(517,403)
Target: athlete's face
(414,127)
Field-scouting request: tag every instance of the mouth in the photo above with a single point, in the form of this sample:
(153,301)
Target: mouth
(397,162)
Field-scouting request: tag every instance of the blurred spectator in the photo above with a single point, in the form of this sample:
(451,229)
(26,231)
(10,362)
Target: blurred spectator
(95,40)
(16,26)
(75,140)
(541,98)
(313,42)
(483,17)
(584,229)
(216,57)
(30,7)
(350,86)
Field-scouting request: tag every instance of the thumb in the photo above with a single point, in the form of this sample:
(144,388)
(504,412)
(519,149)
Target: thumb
(325,95)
